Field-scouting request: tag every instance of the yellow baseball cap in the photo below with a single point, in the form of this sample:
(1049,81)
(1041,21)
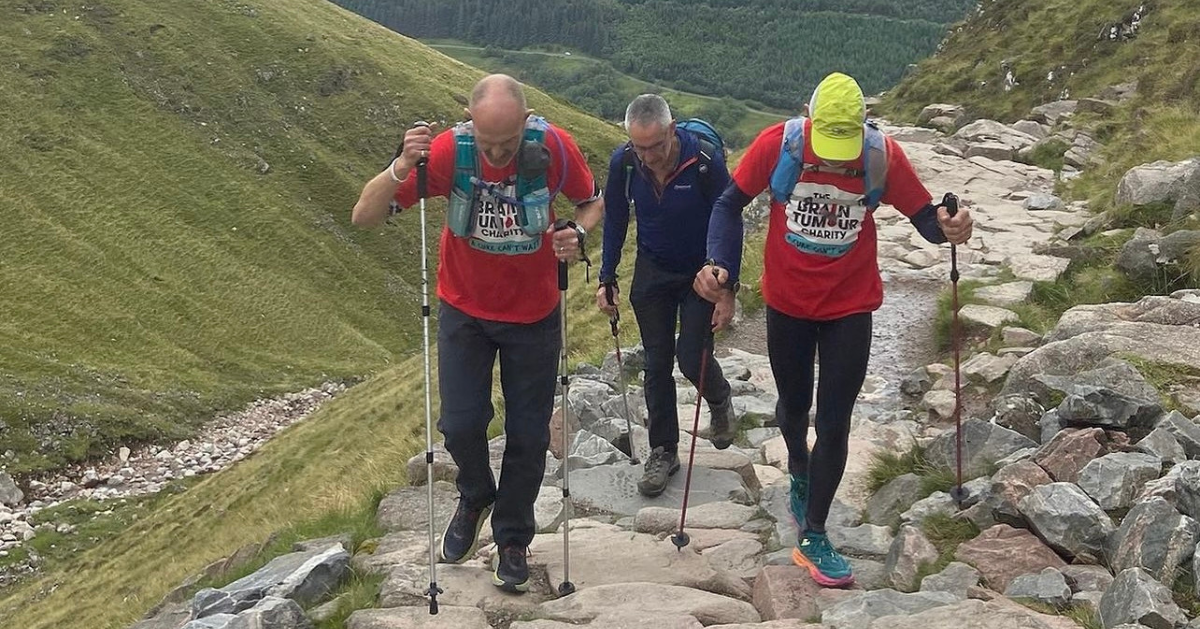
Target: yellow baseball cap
(837,110)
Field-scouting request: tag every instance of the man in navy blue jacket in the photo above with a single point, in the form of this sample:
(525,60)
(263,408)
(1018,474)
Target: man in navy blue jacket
(672,179)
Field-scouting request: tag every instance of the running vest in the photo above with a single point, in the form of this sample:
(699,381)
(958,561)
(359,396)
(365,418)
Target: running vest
(532,199)
(791,163)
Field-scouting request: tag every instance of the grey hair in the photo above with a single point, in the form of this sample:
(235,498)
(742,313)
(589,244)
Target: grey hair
(648,109)
(494,85)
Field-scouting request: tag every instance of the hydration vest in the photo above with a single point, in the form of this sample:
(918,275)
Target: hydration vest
(791,163)
(532,197)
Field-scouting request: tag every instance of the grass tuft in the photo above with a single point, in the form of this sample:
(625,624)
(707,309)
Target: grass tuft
(887,466)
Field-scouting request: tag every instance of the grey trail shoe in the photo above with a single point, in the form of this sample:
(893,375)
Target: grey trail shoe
(723,427)
(660,465)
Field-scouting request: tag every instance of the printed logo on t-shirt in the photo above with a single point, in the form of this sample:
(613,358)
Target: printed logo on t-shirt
(823,219)
(496,227)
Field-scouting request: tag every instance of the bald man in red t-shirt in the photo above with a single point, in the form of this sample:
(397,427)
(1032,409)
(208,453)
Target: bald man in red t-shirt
(498,288)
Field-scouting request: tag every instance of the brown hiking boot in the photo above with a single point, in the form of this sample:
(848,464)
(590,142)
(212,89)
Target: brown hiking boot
(659,468)
(724,428)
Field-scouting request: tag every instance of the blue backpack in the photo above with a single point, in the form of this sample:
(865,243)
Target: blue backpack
(791,163)
(710,144)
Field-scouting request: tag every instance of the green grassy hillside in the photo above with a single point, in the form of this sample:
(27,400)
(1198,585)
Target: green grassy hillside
(1063,48)
(176,192)
(176,187)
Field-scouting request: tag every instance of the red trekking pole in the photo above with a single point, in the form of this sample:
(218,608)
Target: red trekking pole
(958,493)
(681,539)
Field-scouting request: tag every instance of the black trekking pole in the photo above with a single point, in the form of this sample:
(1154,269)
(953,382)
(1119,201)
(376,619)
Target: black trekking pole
(566,587)
(612,322)
(422,192)
(680,538)
(958,493)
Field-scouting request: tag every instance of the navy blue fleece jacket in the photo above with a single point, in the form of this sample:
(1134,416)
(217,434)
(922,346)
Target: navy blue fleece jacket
(672,224)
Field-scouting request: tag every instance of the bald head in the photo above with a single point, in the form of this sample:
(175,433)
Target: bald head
(498,110)
(497,87)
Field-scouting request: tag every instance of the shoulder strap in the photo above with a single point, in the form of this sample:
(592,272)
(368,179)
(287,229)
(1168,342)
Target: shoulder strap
(704,159)
(791,160)
(706,152)
(875,165)
(535,132)
(791,163)
(465,163)
(628,163)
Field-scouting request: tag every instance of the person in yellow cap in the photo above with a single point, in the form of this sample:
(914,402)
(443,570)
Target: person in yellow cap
(826,173)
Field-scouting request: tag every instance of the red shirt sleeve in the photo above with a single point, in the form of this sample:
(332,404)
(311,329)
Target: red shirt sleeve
(439,170)
(753,173)
(579,186)
(904,189)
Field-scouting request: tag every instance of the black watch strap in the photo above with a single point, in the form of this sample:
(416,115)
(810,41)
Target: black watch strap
(733,286)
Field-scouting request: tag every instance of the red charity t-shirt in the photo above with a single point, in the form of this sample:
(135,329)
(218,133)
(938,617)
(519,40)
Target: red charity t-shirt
(803,276)
(509,287)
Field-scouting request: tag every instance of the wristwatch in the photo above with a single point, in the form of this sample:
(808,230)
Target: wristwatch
(734,287)
(580,232)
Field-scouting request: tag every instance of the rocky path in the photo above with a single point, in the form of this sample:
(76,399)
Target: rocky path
(1044,537)
(737,571)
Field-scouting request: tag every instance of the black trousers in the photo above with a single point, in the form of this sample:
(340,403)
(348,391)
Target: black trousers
(843,347)
(660,299)
(529,354)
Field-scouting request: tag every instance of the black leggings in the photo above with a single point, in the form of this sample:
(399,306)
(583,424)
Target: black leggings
(843,347)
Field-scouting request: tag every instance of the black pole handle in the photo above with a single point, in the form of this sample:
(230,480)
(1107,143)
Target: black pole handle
(950,202)
(560,225)
(615,317)
(422,182)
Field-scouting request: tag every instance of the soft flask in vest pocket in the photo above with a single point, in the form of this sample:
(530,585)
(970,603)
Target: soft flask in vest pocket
(533,214)
(533,209)
(460,216)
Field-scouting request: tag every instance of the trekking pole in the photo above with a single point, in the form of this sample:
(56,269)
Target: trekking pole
(422,191)
(681,539)
(612,322)
(566,587)
(957,493)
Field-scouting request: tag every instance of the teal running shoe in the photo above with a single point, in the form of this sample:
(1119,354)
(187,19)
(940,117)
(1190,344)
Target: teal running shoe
(824,564)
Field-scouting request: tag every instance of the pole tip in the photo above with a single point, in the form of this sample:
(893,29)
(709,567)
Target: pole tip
(433,592)
(566,588)
(959,495)
(680,540)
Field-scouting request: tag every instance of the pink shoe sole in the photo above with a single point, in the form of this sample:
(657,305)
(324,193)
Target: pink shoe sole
(800,560)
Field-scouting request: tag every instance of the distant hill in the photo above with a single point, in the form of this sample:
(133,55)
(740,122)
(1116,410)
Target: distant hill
(594,85)
(770,51)
(176,187)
